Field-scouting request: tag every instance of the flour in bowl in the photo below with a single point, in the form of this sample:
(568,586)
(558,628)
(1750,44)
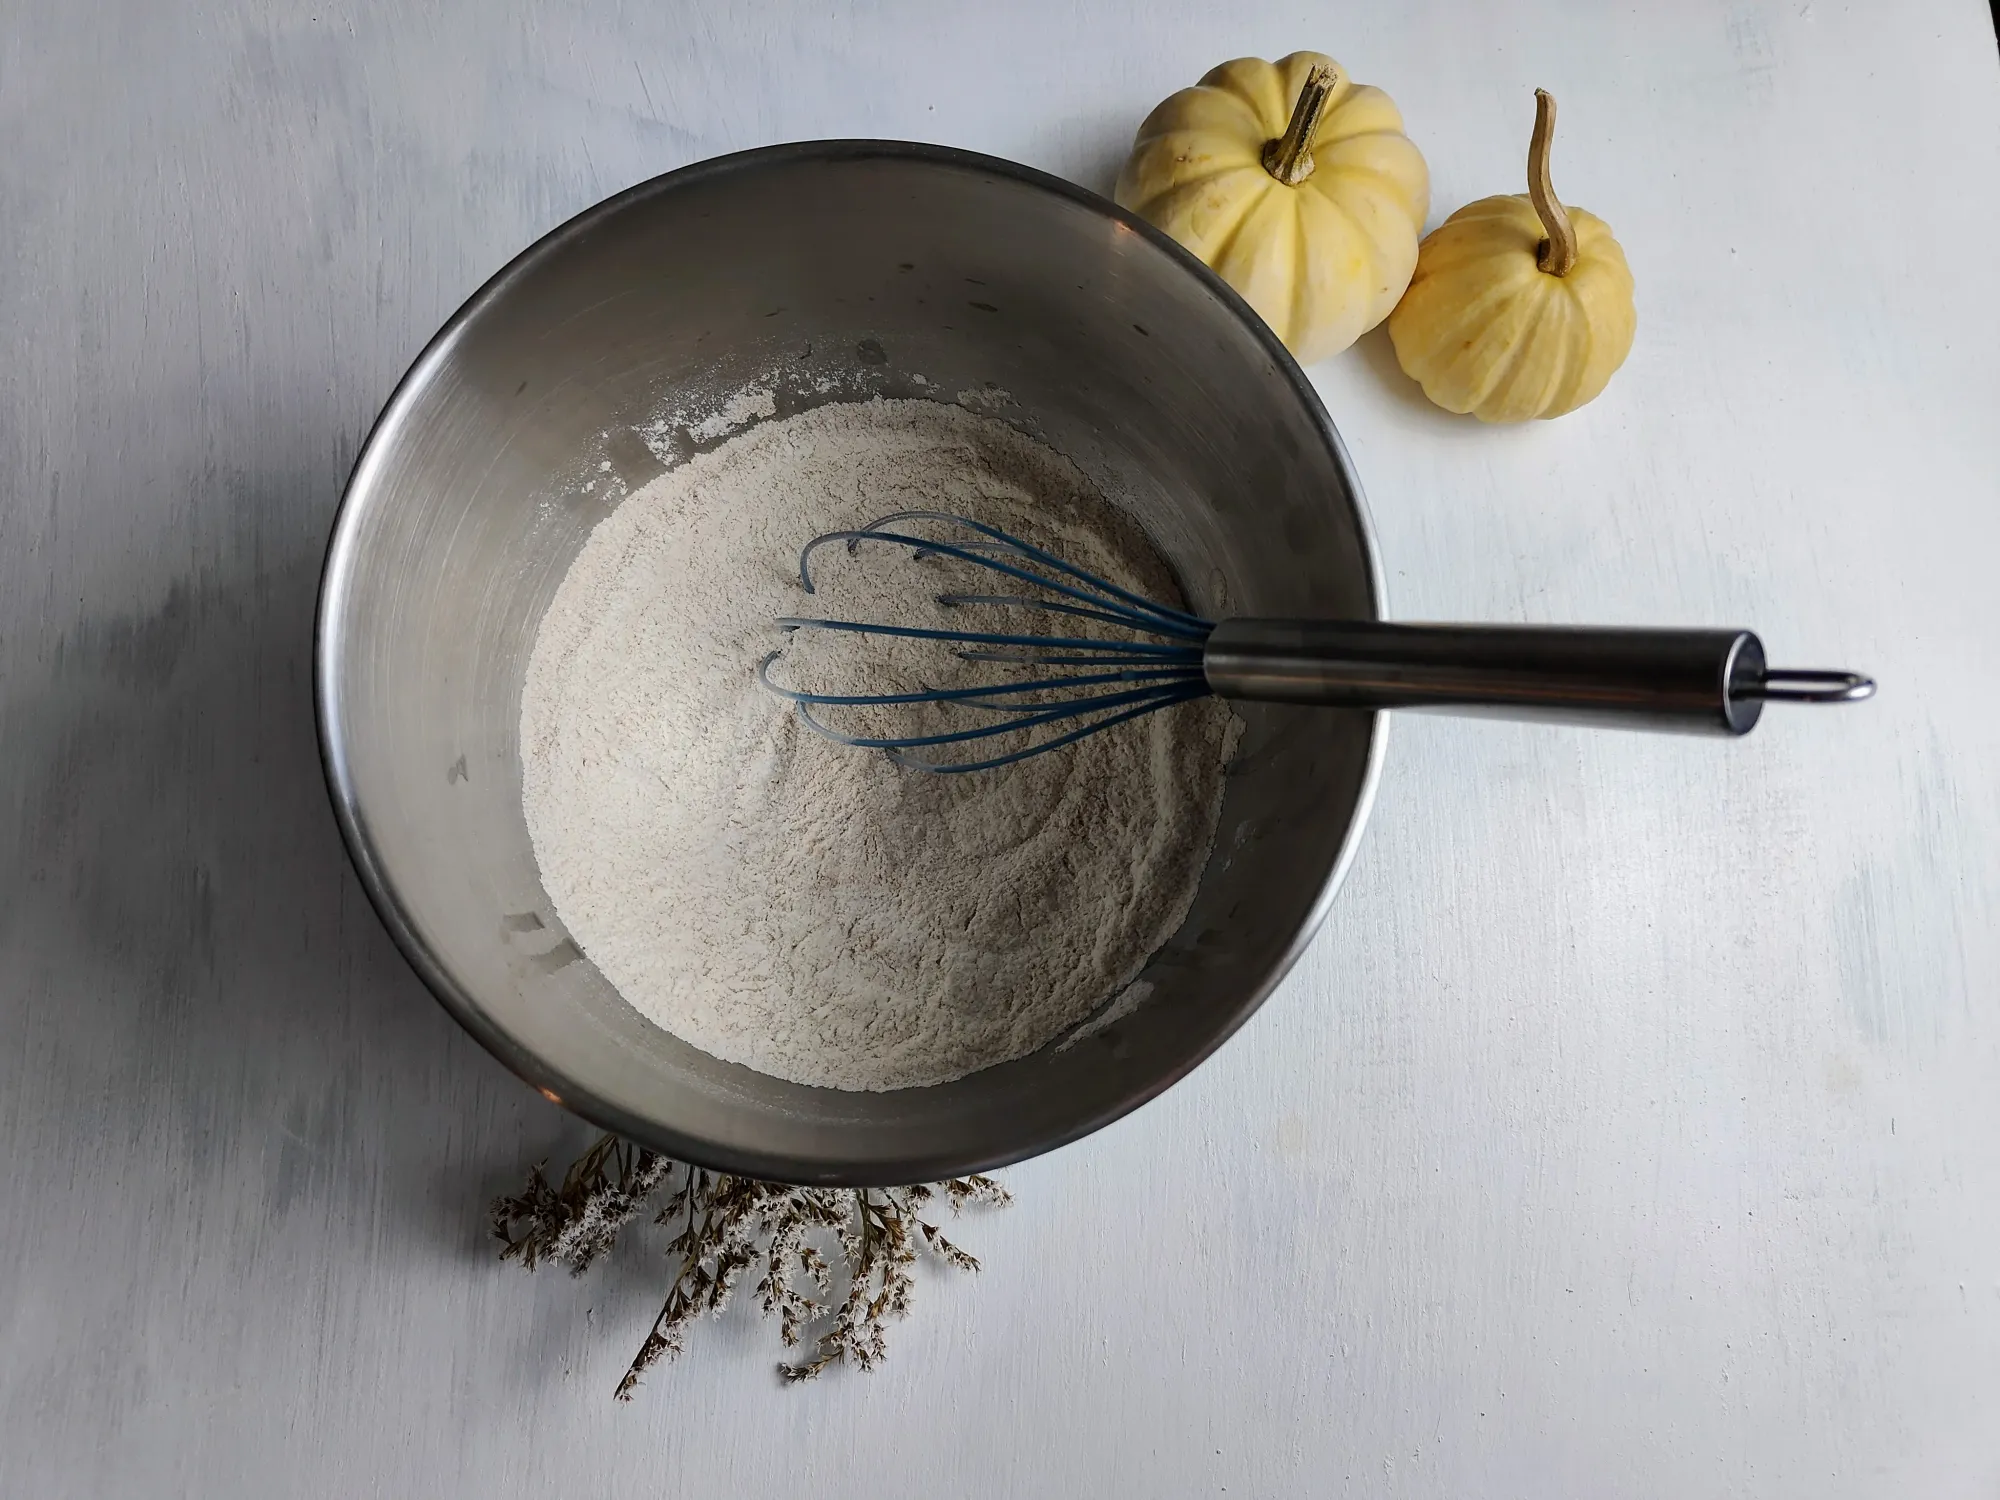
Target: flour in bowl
(808,909)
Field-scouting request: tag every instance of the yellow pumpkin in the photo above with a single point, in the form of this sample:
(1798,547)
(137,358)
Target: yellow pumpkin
(1296,184)
(1520,307)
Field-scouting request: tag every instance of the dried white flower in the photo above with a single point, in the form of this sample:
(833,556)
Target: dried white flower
(725,1225)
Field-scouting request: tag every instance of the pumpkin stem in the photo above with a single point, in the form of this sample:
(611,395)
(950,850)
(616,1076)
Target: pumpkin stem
(1557,253)
(1289,157)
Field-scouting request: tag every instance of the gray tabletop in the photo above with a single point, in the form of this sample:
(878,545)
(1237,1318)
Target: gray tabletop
(1633,1127)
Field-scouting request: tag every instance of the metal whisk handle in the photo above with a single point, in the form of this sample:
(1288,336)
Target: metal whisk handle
(1697,681)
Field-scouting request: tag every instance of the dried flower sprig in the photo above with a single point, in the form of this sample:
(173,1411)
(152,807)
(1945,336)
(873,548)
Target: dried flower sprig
(835,1262)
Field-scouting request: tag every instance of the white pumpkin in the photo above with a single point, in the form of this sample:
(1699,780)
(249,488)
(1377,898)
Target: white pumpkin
(1521,306)
(1296,184)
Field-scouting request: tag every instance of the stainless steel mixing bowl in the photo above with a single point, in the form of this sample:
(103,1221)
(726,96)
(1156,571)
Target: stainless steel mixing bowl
(835,269)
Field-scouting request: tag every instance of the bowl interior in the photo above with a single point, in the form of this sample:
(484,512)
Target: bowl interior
(823,272)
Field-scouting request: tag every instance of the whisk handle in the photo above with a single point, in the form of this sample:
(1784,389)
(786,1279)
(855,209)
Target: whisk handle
(1695,681)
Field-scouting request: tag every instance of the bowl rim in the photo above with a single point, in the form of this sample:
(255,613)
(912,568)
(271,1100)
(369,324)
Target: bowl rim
(552,1082)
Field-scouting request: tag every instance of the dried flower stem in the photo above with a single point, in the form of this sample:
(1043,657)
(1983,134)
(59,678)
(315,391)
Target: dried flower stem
(727,1225)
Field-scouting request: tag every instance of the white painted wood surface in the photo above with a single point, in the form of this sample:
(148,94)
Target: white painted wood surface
(1634,1127)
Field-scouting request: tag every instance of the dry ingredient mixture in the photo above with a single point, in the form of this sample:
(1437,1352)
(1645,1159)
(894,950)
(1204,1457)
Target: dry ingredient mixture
(808,909)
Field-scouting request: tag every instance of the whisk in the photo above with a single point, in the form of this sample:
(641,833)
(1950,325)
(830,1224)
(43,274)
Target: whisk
(1701,681)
